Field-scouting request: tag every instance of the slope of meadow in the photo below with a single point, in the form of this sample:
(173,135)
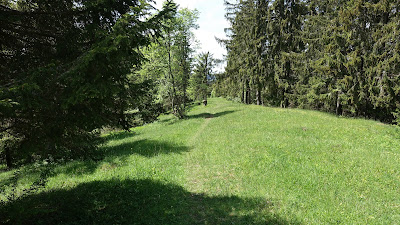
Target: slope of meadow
(227,163)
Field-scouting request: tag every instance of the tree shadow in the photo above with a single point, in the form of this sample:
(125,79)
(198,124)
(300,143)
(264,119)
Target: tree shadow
(119,136)
(167,118)
(3,167)
(209,115)
(10,181)
(76,168)
(144,147)
(135,202)
(120,153)
(111,157)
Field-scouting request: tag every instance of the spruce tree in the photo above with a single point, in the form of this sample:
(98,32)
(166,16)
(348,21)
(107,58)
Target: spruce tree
(203,74)
(64,72)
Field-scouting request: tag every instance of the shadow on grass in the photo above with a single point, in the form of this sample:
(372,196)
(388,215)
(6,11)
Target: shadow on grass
(10,181)
(119,136)
(209,115)
(120,153)
(109,156)
(168,120)
(135,202)
(147,148)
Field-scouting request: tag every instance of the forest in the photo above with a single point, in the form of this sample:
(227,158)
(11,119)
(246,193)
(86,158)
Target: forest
(335,56)
(111,112)
(103,64)
(72,69)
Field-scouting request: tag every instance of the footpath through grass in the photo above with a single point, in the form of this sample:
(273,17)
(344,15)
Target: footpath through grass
(227,163)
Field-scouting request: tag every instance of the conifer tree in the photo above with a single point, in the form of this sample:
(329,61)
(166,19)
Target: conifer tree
(64,72)
(247,49)
(336,56)
(285,29)
(203,74)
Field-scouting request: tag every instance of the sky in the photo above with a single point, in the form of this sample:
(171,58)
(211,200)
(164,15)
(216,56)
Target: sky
(211,21)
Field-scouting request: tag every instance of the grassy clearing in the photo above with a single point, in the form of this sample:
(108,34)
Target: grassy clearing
(226,164)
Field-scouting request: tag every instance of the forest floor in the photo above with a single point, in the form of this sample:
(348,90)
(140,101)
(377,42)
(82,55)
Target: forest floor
(227,163)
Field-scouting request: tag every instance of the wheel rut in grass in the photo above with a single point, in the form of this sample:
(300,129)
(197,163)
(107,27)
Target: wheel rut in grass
(207,119)
(193,169)
(193,174)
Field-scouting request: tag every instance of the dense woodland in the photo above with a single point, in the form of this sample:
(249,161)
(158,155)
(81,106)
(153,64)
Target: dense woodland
(70,68)
(338,56)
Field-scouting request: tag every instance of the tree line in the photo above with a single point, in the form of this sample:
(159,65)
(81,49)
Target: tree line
(180,75)
(338,56)
(69,68)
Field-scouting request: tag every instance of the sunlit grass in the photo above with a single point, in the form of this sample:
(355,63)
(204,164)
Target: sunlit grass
(227,163)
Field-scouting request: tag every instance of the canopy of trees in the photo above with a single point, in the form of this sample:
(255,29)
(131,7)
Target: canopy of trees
(199,82)
(71,67)
(64,72)
(170,61)
(339,56)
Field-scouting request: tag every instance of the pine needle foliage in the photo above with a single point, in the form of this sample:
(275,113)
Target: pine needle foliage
(64,67)
(339,56)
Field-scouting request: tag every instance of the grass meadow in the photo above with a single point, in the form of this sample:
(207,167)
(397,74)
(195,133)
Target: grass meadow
(227,163)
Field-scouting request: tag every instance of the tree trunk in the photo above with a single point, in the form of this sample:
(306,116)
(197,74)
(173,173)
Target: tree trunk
(248,93)
(205,92)
(338,106)
(8,157)
(173,105)
(185,77)
(184,96)
(174,97)
(243,96)
(258,93)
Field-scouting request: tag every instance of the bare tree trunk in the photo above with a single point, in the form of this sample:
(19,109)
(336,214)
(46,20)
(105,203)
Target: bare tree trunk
(246,96)
(205,78)
(8,157)
(185,74)
(184,98)
(338,105)
(171,75)
(248,93)
(243,96)
(259,101)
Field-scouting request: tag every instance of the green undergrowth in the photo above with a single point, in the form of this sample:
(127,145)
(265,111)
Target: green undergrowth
(226,163)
